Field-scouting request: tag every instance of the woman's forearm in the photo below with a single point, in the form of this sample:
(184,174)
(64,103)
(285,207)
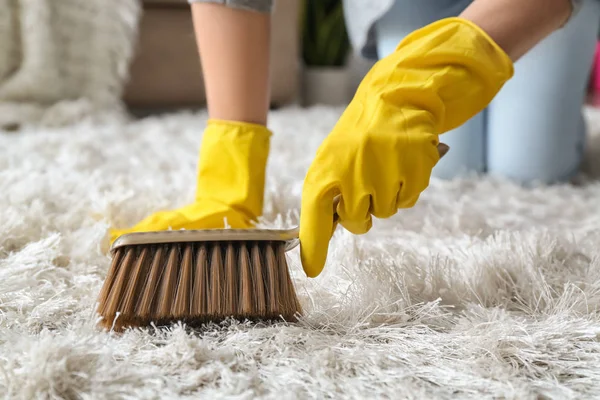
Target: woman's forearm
(518,25)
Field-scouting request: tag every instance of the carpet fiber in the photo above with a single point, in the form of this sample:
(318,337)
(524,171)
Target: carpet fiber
(485,289)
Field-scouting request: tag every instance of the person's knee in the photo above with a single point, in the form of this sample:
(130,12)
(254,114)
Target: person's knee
(525,173)
(536,160)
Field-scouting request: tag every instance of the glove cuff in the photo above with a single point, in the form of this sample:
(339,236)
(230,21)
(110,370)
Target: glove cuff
(456,67)
(232,165)
(237,127)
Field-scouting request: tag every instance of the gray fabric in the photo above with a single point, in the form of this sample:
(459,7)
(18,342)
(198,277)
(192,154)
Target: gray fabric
(263,6)
(576,6)
(362,15)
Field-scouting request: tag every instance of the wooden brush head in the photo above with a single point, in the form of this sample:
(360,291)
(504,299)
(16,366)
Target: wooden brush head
(199,276)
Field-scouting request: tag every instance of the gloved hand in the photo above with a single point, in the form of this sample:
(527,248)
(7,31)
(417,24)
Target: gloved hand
(230,183)
(380,154)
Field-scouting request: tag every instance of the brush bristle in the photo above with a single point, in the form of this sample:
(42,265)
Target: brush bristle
(215,305)
(231,297)
(168,285)
(183,295)
(258,280)
(148,292)
(201,285)
(272,272)
(197,283)
(246,305)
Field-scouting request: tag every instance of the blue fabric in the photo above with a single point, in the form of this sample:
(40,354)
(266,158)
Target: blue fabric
(534,128)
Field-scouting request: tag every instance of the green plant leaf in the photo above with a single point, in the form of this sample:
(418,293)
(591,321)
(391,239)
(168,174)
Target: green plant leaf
(336,41)
(324,38)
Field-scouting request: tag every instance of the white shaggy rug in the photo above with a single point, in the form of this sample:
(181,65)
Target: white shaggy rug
(483,290)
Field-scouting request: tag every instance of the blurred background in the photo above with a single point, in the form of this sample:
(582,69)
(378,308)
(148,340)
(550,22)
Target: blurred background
(65,60)
(311,63)
(312,60)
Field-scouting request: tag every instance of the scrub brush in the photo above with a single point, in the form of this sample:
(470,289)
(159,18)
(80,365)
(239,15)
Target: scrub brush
(198,276)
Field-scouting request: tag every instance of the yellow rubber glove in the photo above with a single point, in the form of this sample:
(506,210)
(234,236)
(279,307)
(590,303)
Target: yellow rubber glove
(381,152)
(230,184)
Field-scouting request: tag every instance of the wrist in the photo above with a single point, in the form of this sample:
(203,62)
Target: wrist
(516,25)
